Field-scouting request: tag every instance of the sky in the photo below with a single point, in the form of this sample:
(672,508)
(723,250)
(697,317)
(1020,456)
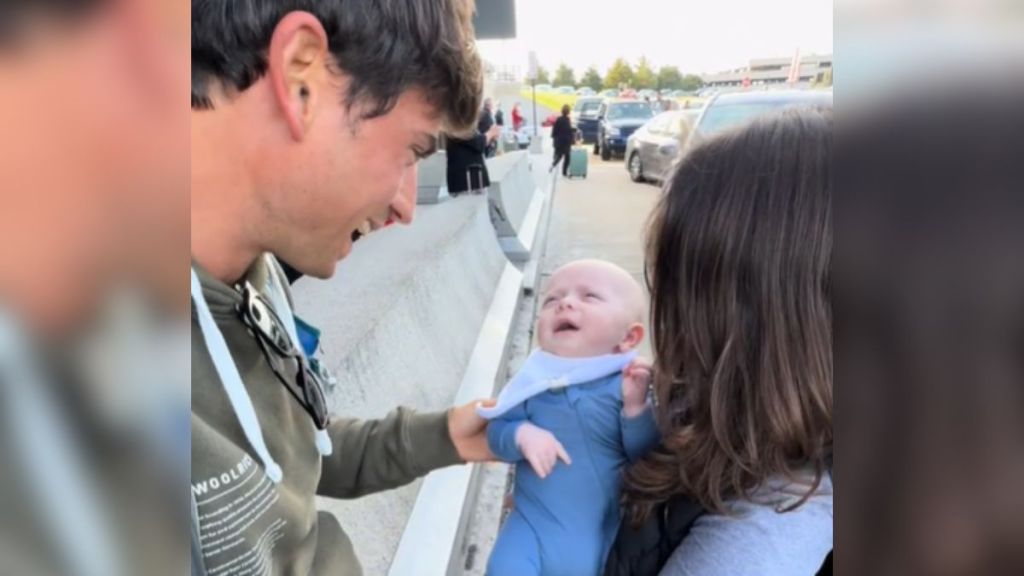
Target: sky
(697,36)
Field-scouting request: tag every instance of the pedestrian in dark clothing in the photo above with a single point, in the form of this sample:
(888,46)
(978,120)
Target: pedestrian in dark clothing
(485,124)
(499,115)
(563,135)
(467,168)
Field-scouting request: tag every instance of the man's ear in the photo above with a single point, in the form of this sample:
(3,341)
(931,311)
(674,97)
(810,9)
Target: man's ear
(634,336)
(297,69)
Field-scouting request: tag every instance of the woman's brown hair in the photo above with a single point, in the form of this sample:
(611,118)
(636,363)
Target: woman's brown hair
(739,254)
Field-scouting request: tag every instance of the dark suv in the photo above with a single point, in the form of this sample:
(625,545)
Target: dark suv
(584,117)
(617,120)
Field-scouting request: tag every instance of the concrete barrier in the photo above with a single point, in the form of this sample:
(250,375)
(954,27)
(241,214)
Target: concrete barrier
(516,203)
(432,179)
(408,317)
(429,544)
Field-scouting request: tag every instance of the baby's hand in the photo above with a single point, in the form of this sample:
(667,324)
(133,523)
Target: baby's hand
(540,448)
(636,379)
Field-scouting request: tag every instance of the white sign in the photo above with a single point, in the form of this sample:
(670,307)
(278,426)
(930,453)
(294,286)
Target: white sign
(531,71)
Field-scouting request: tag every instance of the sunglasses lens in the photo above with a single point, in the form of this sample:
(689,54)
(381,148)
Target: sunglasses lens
(314,397)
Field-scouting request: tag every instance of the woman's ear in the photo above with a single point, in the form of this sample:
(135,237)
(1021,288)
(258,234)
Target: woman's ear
(634,336)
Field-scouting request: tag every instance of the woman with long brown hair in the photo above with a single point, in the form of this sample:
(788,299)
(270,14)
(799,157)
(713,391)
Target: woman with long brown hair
(739,254)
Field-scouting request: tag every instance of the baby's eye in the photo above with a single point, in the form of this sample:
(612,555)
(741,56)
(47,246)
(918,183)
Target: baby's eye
(592,296)
(549,300)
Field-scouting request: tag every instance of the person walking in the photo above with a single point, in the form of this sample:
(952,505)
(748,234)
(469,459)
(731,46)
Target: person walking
(517,117)
(563,135)
(484,125)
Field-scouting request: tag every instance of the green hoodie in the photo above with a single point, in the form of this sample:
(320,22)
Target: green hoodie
(244,522)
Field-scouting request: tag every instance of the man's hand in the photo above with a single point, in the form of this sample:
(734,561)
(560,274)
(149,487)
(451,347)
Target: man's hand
(636,380)
(540,448)
(493,133)
(469,431)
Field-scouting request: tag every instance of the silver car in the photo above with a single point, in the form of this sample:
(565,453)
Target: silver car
(651,151)
(727,111)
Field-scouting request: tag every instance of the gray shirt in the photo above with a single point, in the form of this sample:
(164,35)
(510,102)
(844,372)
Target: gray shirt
(759,540)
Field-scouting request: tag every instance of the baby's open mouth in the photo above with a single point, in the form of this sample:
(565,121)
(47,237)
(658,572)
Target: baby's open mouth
(566,326)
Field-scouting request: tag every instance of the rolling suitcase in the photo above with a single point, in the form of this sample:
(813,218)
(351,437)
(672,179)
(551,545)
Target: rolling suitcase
(578,159)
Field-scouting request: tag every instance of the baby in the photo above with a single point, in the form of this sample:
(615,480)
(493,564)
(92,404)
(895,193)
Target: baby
(580,399)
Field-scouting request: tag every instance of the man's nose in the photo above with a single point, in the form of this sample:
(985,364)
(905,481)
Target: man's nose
(404,205)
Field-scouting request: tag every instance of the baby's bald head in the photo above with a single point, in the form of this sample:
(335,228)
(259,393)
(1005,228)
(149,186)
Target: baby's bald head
(589,307)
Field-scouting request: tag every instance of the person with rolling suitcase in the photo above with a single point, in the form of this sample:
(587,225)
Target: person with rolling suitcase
(563,135)
(578,158)
(467,166)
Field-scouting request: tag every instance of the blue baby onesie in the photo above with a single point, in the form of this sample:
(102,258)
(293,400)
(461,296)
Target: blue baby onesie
(564,525)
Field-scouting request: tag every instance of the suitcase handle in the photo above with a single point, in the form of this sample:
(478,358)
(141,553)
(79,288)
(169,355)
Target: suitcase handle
(479,169)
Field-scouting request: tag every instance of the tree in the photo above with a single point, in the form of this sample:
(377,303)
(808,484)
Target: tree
(669,78)
(564,76)
(692,82)
(592,78)
(619,73)
(643,78)
(542,76)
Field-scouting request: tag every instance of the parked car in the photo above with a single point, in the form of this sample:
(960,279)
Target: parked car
(609,93)
(584,117)
(617,120)
(725,111)
(564,90)
(544,87)
(651,94)
(652,150)
(585,91)
(627,93)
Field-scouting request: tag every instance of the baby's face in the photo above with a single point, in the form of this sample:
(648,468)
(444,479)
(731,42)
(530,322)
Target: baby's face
(587,310)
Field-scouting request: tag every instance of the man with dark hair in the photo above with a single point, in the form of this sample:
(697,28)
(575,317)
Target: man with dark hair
(308,119)
(94,146)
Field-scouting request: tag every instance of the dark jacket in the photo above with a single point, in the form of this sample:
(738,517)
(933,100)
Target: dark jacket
(644,550)
(485,122)
(499,118)
(563,133)
(466,162)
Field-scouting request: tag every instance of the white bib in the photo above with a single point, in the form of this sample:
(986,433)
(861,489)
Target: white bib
(544,371)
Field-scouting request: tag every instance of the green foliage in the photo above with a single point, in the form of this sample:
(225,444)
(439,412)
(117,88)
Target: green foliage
(644,77)
(670,78)
(619,74)
(592,78)
(564,76)
(692,82)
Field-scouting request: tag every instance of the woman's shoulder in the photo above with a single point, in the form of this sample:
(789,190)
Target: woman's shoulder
(762,536)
